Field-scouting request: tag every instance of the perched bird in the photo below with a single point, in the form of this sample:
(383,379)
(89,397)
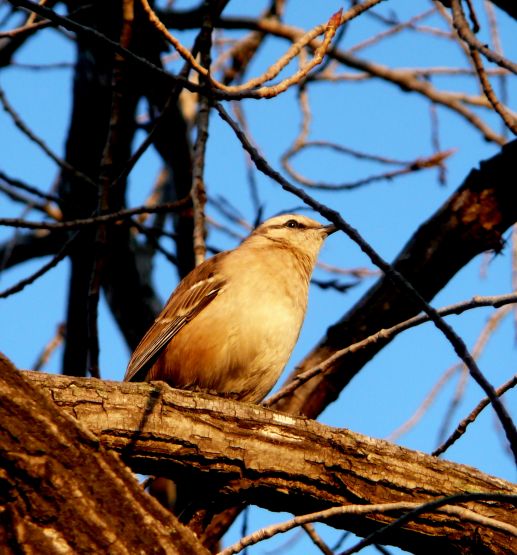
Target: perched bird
(232,323)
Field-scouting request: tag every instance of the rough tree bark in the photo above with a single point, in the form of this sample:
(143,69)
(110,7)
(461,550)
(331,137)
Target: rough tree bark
(62,491)
(282,463)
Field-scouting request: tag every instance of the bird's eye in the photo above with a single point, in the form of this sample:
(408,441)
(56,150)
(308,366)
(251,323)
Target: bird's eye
(293,224)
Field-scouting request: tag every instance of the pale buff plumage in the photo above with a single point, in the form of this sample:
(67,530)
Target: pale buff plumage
(232,323)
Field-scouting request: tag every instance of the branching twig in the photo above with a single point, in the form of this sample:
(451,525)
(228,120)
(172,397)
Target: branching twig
(464,31)
(462,426)
(445,504)
(418,164)
(431,507)
(328,29)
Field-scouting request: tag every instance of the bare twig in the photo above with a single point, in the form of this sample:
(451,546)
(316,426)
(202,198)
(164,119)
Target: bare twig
(53,344)
(462,426)
(316,539)
(431,507)
(389,333)
(493,321)
(328,29)
(29,188)
(435,142)
(96,220)
(25,29)
(35,139)
(509,120)
(464,31)
(426,403)
(407,81)
(45,208)
(477,349)
(418,164)
(394,29)
(56,259)
(445,504)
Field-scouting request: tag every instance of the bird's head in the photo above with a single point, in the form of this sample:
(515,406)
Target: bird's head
(292,231)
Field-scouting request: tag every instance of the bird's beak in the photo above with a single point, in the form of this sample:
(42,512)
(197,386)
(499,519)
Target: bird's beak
(329,229)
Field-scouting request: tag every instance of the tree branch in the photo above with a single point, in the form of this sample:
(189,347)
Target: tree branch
(280,462)
(64,492)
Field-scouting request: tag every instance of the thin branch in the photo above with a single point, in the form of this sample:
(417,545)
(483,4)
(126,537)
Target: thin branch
(53,344)
(427,402)
(389,333)
(31,204)
(509,120)
(25,30)
(426,508)
(328,29)
(28,188)
(394,29)
(150,234)
(55,260)
(486,333)
(316,539)
(462,426)
(464,31)
(415,509)
(418,164)
(435,141)
(407,81)
(63,164)
(96,220)
(477,349)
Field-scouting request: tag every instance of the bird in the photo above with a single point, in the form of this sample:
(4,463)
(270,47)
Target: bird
(231,325)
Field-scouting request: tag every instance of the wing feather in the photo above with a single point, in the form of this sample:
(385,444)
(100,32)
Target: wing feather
(193,294)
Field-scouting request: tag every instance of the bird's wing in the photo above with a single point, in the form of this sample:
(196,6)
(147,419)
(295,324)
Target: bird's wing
(193,294)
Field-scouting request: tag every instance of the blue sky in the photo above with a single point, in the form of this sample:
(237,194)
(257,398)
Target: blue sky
(372,116)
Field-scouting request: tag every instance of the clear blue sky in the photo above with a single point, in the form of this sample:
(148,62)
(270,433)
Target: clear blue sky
(372,116)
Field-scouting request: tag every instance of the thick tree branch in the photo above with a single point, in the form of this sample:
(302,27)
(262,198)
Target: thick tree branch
(62,491)
(280,462)
(23,247)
